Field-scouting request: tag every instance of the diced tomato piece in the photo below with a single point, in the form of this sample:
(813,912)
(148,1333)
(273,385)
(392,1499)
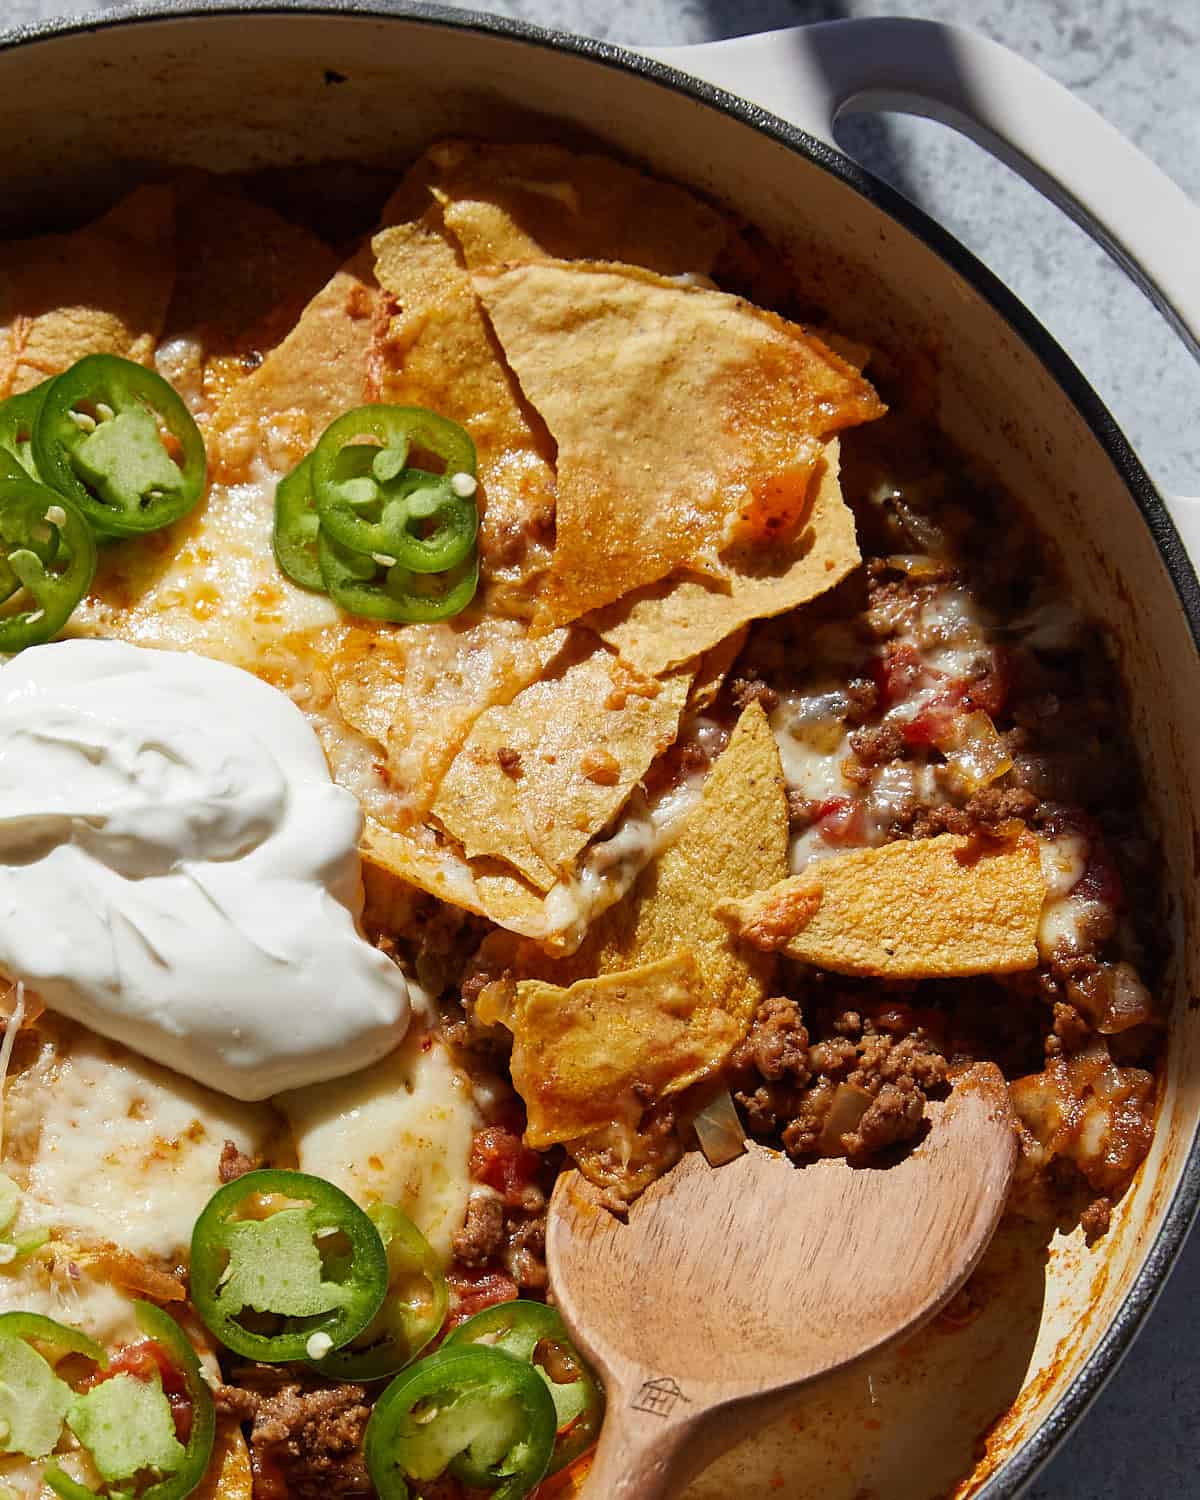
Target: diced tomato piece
(568,1482)
(474,1289)
(897,672)
(989,693)
(842,821)
(501,1159)
(933,724)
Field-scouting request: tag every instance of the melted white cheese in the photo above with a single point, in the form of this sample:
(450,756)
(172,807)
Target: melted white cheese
(110,1148)
(1063,860)
(399,1131)
(610,866)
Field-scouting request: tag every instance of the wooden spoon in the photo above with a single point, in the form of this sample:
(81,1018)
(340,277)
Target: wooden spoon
(730,1288)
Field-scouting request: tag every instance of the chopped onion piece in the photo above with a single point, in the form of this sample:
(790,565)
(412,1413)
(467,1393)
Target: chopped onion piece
(974,751)
(916,564)
(849,1105)
(1129,1002)
(719,1130)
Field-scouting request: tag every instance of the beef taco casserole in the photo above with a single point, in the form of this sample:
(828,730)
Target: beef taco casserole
(722,755)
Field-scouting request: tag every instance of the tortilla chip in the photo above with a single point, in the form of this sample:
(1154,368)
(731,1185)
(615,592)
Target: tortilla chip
(734,839)
(623,1160)
(416,692)
(417,858)
(579,1053)
(245,274)
(713,668)
(922,909)
(102,289)
(442,354)
(229,1475)
(676,411)
(525,203)
(328,364)
(737,833)
(672,621)
(538,777)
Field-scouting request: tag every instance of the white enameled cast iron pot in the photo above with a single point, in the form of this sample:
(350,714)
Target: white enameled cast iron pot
(247,85)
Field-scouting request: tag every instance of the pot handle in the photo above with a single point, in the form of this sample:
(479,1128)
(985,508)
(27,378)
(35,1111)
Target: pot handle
(810,75)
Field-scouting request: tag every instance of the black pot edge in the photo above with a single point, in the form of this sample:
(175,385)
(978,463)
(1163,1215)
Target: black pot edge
(1020,1470)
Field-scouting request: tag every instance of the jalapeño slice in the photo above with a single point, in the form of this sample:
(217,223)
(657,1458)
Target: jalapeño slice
(535,1333)
(296,527)
(134,1432)
(18,418)
(41,537)
(413,1310)
(484,1416)
(126,1423)
(285,1264)
(48,550)
(33,1399)
(372,501)
(364,586)
(116,439)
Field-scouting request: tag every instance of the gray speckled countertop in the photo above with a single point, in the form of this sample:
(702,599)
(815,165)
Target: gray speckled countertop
(1136,61)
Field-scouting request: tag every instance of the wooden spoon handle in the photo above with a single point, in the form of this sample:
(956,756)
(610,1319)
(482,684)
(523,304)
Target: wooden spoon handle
(642,1454)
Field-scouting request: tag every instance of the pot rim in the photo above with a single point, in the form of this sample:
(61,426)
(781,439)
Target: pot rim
(1019,1470)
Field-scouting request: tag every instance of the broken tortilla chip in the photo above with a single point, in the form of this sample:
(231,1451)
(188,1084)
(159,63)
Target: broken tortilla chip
(326,365)
(672,621)
(737,833)
(580,1053)
(526,203)
(538,777)
(712,668)
(102,289)
(442,354)
(244,277)
(416,692)
(731,843)
(676,411)
(229,1475)
(416,858)
(921,909)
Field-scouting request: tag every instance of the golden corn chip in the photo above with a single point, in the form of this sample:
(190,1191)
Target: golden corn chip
(920,909)
(327,364)
(244,277)
(685,420)
(441,354)
(623,1160)
(523,203)
(672,621)
(712,668)
(416,858)
(416,692)
(737,833)
(102,289)
(538,777)
(579,1053)
(229,1475)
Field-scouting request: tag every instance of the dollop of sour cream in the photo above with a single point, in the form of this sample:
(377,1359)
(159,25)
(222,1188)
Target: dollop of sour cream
(179,872)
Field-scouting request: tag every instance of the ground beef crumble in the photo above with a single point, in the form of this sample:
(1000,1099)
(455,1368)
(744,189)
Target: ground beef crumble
(305,1436)
(746,690)
(235,1163)
(857,1090)
(482,1234)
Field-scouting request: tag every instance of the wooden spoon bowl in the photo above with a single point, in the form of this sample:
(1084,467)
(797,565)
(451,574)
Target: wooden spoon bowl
(729,1289)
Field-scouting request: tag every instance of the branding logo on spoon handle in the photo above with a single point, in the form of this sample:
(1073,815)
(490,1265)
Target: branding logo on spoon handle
(659,1397)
